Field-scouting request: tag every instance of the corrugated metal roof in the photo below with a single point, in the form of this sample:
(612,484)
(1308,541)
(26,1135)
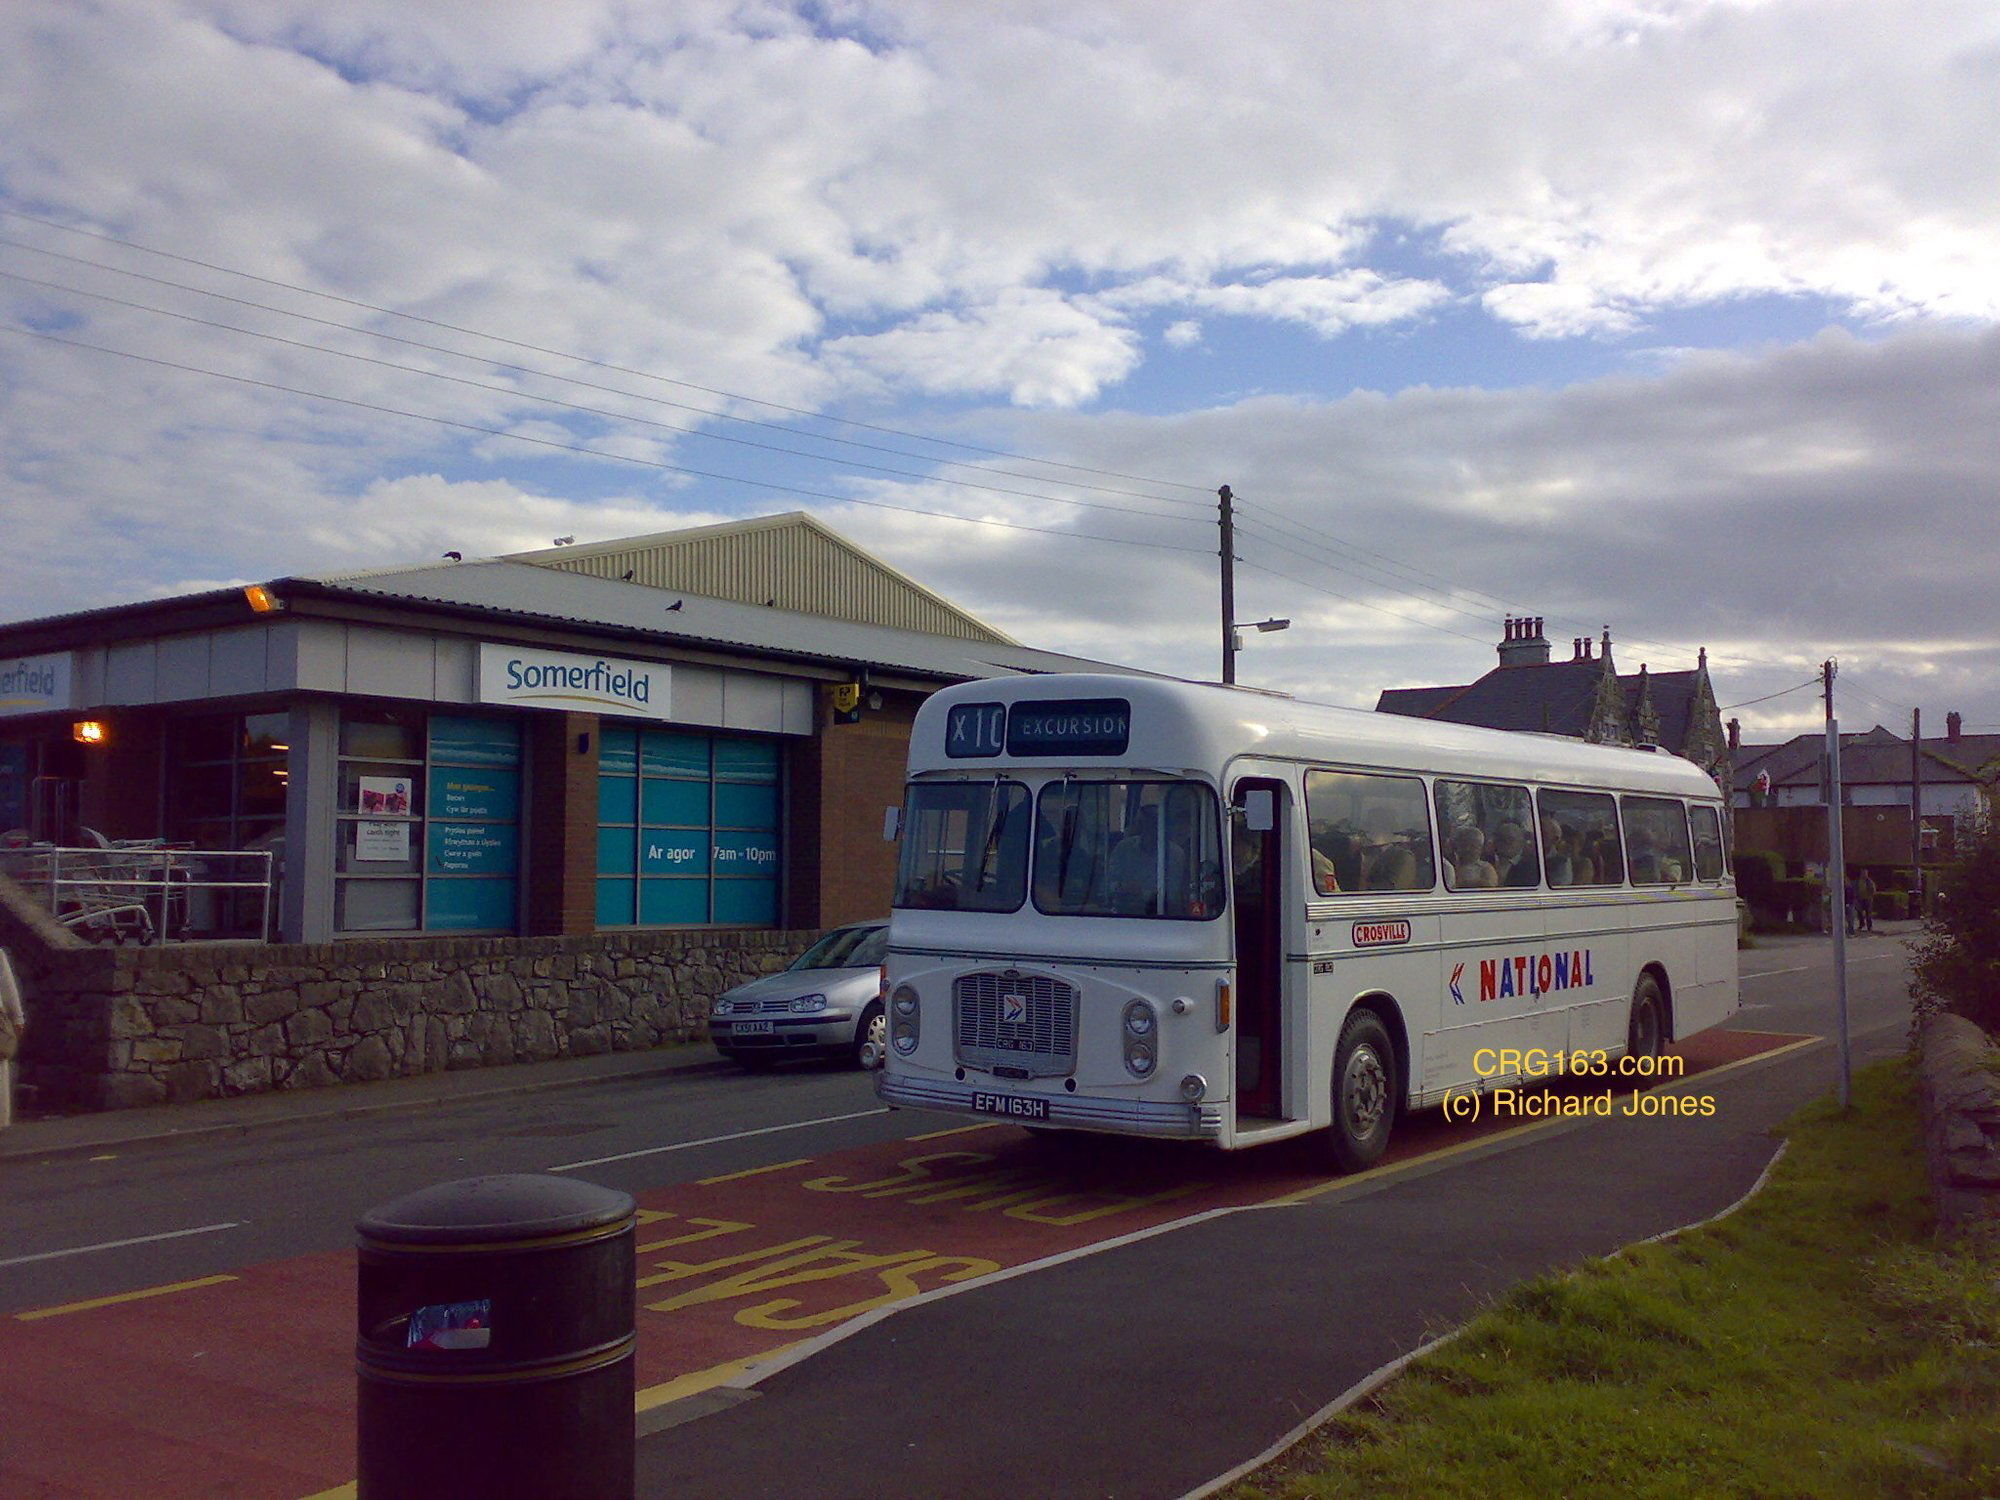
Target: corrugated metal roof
(504,588)
(795,561)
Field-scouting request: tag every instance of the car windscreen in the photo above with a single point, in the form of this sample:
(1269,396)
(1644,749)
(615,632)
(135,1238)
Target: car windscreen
(845,948)
(1128,849)
(965,846)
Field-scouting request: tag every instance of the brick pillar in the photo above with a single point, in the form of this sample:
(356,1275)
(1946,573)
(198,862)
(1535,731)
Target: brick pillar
(861,770)
(562,825)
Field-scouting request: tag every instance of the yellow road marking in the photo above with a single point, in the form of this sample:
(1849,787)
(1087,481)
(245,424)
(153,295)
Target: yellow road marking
(1302,1195)
(151,1291)
(108,1156)
(938,1135)
(751,1172)
(345,1491)
(697,1381)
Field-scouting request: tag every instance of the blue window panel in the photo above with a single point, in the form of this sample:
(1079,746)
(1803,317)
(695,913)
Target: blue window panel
(741,806)
(471,849)
(617,851)
(489,795)
(675,804)
(673,853)
(475,742)
(663,902)
(750,903)
(614,902)
(746,760)
(618,752)
(617,799)
(462,905)
(670,754)
(753,855)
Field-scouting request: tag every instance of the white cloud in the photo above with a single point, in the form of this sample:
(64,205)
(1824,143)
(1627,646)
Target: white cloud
(1182,334)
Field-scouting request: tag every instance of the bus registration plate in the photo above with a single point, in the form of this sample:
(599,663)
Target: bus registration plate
(1013,1106)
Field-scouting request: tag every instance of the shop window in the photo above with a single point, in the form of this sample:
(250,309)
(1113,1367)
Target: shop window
(225,790)
(429,823)
(687,829)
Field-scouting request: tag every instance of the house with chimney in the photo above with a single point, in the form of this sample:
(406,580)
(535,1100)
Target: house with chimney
(1585,697)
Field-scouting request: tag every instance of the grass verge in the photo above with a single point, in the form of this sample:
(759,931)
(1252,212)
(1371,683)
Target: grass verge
(1817,1342)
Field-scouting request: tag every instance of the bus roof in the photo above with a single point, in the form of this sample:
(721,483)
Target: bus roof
(1200,727)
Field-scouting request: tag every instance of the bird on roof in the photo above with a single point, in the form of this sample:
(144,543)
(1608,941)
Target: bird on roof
(626,576)
(675,605)
(456,556)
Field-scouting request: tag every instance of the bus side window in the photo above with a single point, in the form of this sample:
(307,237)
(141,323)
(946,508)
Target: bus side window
(1368,832)
(1707,842)
(1580,838)
(1489,835)
(1656,840)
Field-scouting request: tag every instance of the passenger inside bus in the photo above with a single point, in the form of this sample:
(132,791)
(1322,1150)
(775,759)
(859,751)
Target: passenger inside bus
(1469,865)
(1513,860)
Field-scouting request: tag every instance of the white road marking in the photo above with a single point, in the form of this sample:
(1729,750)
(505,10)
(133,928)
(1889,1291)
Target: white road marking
(143,1239)
(714,1140)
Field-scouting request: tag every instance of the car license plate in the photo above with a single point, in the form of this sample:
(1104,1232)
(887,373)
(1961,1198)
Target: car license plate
(1013,1106)
(753,1028)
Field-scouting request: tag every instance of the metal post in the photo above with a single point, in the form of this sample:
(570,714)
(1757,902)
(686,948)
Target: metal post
(1836,878)
(1228,583)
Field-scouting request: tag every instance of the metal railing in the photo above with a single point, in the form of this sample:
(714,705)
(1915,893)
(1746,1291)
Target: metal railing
(145,892)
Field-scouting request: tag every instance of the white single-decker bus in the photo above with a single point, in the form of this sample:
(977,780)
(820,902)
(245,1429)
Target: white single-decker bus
(1149,907)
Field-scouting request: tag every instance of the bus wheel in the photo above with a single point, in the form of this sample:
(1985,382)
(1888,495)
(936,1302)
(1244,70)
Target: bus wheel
(1648,1027)
(1364,1093)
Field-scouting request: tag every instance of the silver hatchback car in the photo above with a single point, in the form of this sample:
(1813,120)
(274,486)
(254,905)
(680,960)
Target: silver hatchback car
(828,1002)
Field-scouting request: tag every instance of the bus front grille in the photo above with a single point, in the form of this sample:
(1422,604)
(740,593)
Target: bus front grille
(1014,1020)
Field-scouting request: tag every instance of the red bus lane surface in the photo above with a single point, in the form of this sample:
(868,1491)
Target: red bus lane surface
(243,1383)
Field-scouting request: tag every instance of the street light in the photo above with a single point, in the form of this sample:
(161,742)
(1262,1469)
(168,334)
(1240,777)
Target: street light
(1237,641)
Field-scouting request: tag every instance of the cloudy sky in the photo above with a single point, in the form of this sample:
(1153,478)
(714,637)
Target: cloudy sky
(1673,317)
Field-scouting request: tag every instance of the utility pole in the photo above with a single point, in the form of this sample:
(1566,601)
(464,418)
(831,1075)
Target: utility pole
(1836,882)
(1228,583)
(1917,806)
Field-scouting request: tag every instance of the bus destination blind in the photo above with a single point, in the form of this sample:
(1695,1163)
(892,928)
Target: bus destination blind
(1058,727)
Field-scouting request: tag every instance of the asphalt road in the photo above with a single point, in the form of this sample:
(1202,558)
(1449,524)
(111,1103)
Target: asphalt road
(286,1187)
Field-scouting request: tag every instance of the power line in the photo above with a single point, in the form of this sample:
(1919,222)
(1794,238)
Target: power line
(390,312)
(1810,682)
(499,364)
(1363,603)
(599,411)
(605,453)
(1394,585)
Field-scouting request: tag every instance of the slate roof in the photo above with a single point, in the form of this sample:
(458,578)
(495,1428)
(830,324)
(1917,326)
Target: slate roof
(1873,757)
(1551,696)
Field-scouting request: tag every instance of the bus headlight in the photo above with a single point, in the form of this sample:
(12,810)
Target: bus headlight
(1193,1087)
(905,1023)
(1140,1025)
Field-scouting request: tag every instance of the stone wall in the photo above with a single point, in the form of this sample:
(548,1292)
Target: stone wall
(110,1028)
(1959,1075)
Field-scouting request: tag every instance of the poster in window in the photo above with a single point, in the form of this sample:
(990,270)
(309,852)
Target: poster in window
(381,841)
(384,796)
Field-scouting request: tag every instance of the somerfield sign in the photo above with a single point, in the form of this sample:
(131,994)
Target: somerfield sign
(34,684)
(562,679)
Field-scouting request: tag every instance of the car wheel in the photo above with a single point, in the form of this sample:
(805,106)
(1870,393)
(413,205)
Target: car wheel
(1648,1027)
(1365,1091)
(871,1039)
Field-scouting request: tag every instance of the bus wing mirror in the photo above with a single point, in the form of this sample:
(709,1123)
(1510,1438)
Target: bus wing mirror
(892,824)
(1260,810)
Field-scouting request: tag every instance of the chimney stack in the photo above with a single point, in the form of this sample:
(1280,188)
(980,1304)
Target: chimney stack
(1954,727)
(1522,643)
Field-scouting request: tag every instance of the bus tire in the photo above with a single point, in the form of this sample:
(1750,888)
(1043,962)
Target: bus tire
(1364,1093)
(1647,1030)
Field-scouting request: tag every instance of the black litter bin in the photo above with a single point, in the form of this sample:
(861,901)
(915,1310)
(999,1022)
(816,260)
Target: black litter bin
(496,1335)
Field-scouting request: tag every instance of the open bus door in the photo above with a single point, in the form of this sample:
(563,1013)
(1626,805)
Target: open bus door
(1258,877)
